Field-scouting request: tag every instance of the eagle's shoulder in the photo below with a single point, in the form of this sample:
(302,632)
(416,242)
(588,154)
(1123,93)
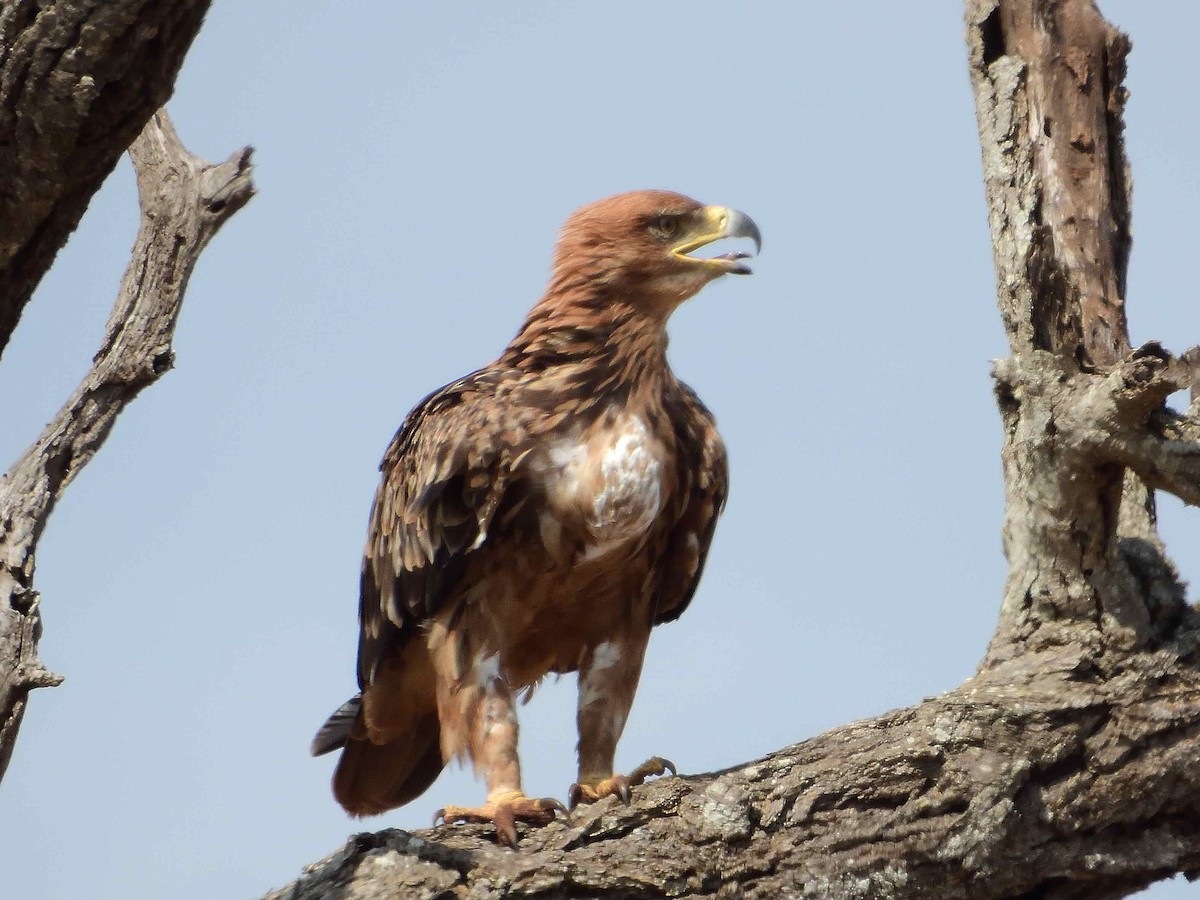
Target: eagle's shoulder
(702,491)
(443,477)
(705,461)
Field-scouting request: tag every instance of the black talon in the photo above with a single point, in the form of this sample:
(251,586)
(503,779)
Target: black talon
(574,795)
(624,792)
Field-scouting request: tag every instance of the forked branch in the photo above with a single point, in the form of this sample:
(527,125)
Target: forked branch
(184,201)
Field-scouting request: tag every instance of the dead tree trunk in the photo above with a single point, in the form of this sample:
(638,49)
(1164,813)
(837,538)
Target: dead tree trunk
(1068,766)
(78,81)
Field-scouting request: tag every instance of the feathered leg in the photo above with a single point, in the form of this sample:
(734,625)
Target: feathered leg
(488,709)
(608,679)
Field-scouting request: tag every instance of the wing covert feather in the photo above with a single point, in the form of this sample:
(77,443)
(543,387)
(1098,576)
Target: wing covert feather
(444,476)
(704,487)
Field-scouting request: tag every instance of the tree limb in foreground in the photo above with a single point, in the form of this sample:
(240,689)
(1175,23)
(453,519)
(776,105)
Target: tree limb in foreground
(78,81)
(1067,767)
(184,201)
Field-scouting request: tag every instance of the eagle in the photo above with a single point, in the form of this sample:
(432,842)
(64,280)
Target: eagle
(540,515)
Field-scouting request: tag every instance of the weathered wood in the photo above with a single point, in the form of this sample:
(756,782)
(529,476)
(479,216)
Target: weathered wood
(1067,767)
(184,201)
(78,81)
(1050,98)
(1033,779)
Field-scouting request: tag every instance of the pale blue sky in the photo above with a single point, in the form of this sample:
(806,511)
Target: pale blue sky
(414,162)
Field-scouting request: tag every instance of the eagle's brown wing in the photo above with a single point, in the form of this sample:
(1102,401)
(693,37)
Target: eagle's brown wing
(704,485)
(445,474)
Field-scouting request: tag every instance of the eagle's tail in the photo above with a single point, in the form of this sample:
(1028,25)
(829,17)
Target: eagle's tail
(336,730)
(372,778)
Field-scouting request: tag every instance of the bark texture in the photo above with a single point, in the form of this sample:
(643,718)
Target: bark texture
(78,81)
(184,201)
(1069,765)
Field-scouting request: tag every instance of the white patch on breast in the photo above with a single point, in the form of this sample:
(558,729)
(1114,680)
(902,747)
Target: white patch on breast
(612,481)
(630,494)
(565,473)
(568,455)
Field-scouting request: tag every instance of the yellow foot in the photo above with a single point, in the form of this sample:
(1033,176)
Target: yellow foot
(589,790)
(504,810)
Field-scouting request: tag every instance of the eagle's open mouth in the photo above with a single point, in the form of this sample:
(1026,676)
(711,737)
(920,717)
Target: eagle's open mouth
(733,262)
(723,223)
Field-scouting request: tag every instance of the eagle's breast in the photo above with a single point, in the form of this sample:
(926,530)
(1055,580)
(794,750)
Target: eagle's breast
(607,482)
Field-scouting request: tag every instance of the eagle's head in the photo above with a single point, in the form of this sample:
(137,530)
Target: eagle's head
(638,248)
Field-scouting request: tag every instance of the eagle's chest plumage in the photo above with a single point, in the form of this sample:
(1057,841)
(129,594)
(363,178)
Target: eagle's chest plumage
(606,483)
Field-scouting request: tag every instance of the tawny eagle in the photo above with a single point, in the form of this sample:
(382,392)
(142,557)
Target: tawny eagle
(540,515)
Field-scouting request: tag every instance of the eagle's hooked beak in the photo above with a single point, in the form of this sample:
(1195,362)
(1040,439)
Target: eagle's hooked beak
(717,222)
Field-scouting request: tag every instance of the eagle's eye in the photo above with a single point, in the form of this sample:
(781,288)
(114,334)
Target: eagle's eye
(664,226)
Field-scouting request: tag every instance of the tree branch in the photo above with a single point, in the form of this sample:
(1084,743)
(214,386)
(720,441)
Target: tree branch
(1017,784)
(78,81)
(1049,97)
(1166,456)
(1117,416)
(184,201)
(1135,428)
